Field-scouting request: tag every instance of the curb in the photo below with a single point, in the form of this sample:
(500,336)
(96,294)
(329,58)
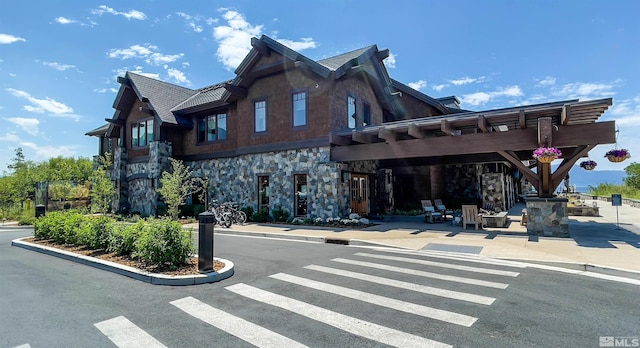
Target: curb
(584,267)
(131,272)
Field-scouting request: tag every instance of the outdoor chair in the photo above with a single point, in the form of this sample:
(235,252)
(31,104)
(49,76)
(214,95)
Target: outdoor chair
(430,213)
(442,208)
(470,216)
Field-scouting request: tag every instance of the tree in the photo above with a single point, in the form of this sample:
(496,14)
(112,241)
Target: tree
(175,187)
(633,175)
(103,190)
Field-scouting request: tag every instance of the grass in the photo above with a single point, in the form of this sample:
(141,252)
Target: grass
(608,189)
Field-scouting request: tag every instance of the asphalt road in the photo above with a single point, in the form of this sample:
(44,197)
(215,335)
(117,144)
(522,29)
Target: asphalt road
(319,295)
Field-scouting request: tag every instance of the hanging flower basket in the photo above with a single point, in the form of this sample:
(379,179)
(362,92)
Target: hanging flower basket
(546,154)
(588,165)
(617,155)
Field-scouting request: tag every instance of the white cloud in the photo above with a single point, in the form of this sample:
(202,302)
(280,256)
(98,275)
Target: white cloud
(625,112)
(418,85)
(439,87)
(59,66)
(390,62)
(8,39)
(547,81)
(580,90)
(192,21)
(64,20)
(178,76)
(133,14)
(12,137)
(306,42)
(105,90)
(41,105)
(29,125)
(234,38)
(46,152)
(147,52)
(479,98)
(466,80)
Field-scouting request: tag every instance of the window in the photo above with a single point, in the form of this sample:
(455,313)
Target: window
(212,128)
(260,114)
(141,133)
(366,114)
(299,109)
(351,111)
(300,185)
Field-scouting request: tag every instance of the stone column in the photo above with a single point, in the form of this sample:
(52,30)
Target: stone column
(547,217)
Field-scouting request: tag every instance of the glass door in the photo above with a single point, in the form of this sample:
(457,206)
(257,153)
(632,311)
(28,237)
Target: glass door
(263,193)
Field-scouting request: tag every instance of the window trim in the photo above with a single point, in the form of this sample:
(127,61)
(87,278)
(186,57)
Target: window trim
(136,125)
(266,105)
(355,111)
(306,109)
(366,106)
(205,119)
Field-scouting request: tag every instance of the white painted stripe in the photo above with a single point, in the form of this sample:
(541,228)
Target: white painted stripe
(349,324)
(26,345)
(424,274)
(245,330)
(412,308)
(126,334)
(459,257)
(456,295)
(443,265)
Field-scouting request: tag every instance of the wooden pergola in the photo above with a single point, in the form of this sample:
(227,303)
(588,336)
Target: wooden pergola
(510,134)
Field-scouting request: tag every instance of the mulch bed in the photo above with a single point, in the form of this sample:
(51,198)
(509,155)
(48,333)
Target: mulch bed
(191,268)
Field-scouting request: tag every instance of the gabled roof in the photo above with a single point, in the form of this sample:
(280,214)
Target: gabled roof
(334,63)
(420,96)
(162,96)
(102,130)
(204,98)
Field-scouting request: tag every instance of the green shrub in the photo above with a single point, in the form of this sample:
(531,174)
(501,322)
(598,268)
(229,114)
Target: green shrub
(248,211)
(122,237)
(28,217)
(99,231)
(261,215)
(44,227)
(164,242)
(279,214)
(72,223)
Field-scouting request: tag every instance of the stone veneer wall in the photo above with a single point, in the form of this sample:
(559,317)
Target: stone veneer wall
(142,178)
(235,179)
(547,217)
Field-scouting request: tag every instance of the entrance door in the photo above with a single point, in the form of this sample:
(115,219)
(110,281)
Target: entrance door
(263,193)
(359,194)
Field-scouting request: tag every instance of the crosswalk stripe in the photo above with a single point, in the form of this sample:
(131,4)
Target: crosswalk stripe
(424,274)
(443,265)
(126,334)
(26,345)
(456,295)
(412,308)
(349,324)
(245,330)
(458,257)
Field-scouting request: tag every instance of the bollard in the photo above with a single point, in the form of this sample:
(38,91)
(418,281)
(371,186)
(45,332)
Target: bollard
(40,210)
(205,242)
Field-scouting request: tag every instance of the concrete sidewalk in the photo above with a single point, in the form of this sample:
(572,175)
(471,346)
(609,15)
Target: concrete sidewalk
(596,243)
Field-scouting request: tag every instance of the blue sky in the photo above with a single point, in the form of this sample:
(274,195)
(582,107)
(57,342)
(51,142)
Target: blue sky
(59,59)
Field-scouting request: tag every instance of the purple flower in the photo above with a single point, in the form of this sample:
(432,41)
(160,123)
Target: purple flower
(624,153)
(588,164)
(546,152)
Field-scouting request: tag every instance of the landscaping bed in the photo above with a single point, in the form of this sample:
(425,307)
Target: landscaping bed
(190,268)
